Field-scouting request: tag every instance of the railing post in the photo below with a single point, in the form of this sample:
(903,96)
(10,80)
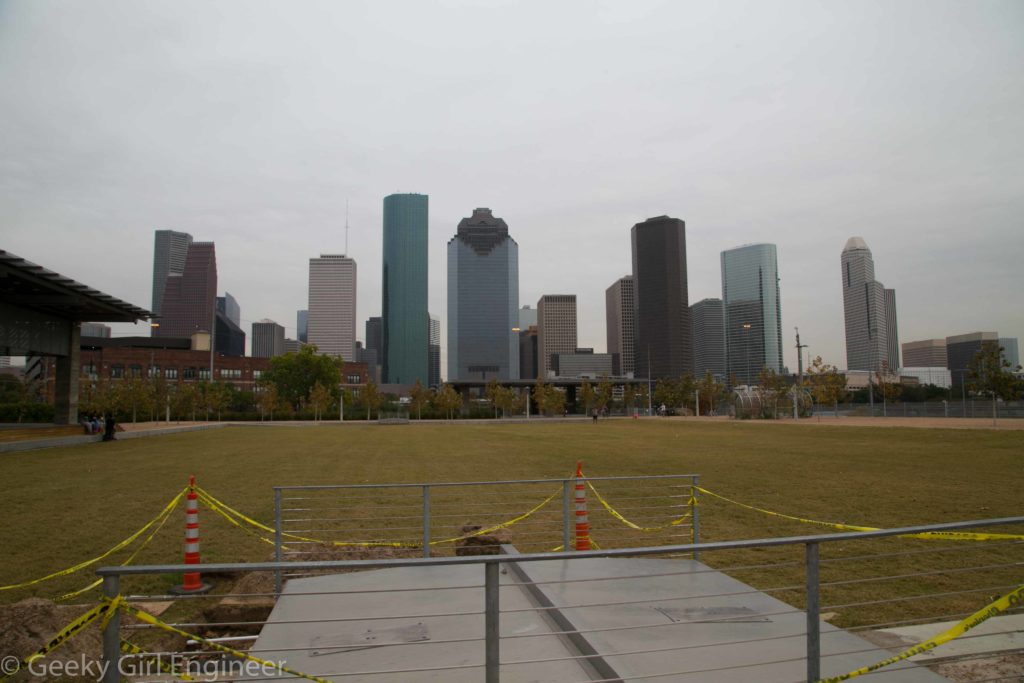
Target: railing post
(112,633)
(566,529)
(278,556)
(426,520)
(492,650)
(695,513)
(813,615)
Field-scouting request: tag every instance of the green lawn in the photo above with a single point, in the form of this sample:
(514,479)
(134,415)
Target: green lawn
(69,504)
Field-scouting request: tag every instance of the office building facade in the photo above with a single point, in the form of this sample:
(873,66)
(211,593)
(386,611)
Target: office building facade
(864,309)
(483,299)
(404,302)
(228,338)
(302,326)
(925,353)
(1011,352)
(620,325)
(434,351)
(528,353)
(190,297)
(664,332)
(229,307)
(556,330)
(332,305)
(170,249)
(961,350)
(709,339)
(891,331)
(589,365)
(267,339)
(752,312)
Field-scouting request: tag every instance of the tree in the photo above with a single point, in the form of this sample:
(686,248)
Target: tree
(491,393)
(506,400)
(216,396)
(540,396)
(13,390)
(642,396)
(418,397)
(448,400)
(629,398)
(667,392)
(319,398)
(604,393)
(989,373)
(132,393)
(295,374)
(185,400)
(685,388)
(828,385)
(267,400)
(711,393)
(586,396)
(888,387)
(773,385)
(371,398)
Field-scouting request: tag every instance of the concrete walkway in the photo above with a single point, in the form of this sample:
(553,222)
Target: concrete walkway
(130,432)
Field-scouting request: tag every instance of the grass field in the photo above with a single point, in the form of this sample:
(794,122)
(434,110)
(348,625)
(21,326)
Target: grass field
(67,505)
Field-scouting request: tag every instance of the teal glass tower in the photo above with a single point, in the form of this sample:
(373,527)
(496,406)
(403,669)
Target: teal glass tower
(753,314)
(405,320)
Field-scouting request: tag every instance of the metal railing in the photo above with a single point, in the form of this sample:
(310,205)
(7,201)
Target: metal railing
(433,518)
(863,578)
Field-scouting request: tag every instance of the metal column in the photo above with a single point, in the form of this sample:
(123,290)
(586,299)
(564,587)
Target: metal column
(492,650)
(112,633)
(426,520)
(566,527)
(277,539)
(813,615)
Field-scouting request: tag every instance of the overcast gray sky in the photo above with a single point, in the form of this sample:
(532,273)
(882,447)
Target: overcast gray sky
(798,123)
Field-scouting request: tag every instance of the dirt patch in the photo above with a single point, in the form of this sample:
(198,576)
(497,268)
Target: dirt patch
(481,544)
(1003,668)
(28,625)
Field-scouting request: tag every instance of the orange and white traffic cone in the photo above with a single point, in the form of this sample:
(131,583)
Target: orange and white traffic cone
(582,525)
(191,583)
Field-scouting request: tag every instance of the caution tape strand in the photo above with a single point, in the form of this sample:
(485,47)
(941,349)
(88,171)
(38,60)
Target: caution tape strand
(153,621)
(928,535)
(166,515)
(120,546)
(1011,599)
(632,525)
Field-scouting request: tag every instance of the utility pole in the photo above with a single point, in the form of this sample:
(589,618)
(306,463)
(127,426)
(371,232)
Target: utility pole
(800,374)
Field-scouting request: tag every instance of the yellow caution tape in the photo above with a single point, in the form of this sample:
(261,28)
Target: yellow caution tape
(205,495)
(63,636)
(167,515)
(205,500)
(1011,599)
(214,502)
(615,513)
(120,546)
(948,535)
(153,621)
(503,525)
(133,649)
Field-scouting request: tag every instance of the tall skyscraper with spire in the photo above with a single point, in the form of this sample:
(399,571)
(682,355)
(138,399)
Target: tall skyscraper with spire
(483,300)
(664,335)
(869,311)
(753,311)
(405,319)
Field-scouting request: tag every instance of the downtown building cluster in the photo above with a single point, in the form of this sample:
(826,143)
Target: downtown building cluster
(652,331)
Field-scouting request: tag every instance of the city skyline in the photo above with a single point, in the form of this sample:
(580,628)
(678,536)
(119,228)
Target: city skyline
(814,149)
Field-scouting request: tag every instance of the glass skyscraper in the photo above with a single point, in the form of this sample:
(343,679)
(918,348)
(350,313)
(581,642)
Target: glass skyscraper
(405,320)
(483,300)
(753,311)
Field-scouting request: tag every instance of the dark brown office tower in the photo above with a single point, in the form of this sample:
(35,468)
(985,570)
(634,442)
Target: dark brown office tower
(664,335)
(190,298)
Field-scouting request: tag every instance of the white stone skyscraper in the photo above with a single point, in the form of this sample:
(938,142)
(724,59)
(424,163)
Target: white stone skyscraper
(865,310)
(332,305)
